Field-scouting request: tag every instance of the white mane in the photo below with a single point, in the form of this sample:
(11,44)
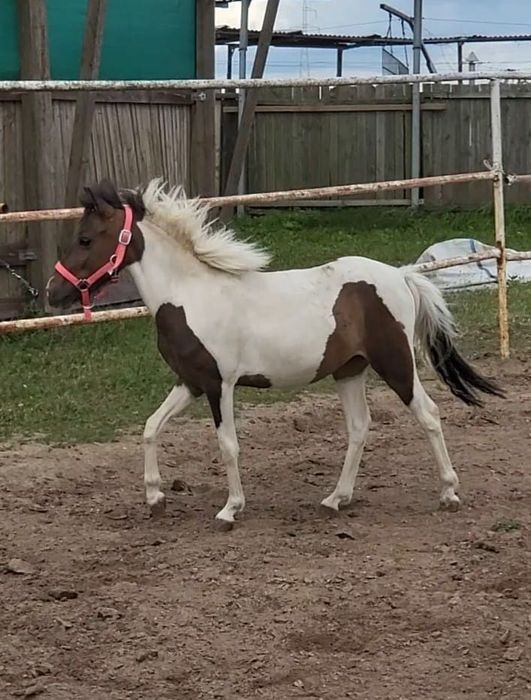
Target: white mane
(185,221)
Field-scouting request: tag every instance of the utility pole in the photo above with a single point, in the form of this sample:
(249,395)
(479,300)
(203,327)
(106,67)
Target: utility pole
(460,56)
(415,105)
(415,23)
(242,65)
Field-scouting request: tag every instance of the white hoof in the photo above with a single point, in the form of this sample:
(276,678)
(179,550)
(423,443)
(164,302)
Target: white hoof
(450,501)
(157,503)
(335,501)
(231,508)
(223,525)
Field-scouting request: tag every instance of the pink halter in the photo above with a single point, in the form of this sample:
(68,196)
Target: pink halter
(110,268)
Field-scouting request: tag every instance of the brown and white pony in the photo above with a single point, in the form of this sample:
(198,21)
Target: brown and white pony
(222,322)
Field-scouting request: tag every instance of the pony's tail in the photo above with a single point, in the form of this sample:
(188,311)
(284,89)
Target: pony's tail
(435,333)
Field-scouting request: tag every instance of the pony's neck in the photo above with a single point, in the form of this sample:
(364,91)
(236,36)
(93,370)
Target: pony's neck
(163,268)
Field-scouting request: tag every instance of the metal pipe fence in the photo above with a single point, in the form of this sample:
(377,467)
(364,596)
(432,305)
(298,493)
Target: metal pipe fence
(495,174)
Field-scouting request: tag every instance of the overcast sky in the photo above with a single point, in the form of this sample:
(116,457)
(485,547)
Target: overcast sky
(362,17)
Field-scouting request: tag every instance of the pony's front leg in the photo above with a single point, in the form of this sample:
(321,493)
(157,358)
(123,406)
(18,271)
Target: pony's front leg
(177,400)
(223,412)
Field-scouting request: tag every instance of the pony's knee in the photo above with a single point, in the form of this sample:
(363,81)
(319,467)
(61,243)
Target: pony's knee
(228,445)
(150,431)
(426,411)
(359,432)
(365,426)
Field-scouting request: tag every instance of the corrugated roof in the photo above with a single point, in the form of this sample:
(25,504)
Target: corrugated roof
(228,35)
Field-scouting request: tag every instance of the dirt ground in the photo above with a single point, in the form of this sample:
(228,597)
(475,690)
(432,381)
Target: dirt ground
(391,599)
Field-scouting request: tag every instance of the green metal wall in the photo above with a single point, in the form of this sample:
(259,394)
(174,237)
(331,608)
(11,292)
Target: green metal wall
(143,39)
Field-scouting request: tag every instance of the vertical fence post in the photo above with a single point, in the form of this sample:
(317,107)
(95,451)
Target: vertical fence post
(38,162)
(499,215)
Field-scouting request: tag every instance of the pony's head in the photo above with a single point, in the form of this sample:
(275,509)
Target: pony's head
(99,243)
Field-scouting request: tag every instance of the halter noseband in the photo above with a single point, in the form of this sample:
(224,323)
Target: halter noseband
(111,268)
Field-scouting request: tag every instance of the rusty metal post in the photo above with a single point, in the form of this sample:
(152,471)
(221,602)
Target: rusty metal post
(499,216)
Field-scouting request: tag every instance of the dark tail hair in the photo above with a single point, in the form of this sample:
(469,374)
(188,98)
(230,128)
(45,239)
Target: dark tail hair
(460,377)
(435,331)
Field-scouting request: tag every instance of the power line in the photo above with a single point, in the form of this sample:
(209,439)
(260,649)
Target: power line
(477,21)
(356,24)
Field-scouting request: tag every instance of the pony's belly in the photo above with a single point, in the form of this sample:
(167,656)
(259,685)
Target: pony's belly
(289,368)
(292,379)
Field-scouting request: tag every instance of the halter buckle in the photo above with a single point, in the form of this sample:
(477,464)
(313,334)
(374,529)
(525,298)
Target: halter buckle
(125,237)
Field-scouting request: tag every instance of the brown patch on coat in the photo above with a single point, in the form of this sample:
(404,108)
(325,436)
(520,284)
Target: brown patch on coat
(366,333)
(257,381)
(188,357)
(192,362)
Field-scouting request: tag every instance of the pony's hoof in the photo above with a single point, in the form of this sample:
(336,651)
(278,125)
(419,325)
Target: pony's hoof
(328,510)
(223,525)
(450,503)
(332,504)
(159,507)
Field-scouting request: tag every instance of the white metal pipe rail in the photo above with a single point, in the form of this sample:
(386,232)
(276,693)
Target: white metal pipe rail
(273,197)
(11,86)
(495,175)
(47,322)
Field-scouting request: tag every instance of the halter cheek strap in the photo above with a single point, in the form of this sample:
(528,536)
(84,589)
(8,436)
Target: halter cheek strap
(111,268)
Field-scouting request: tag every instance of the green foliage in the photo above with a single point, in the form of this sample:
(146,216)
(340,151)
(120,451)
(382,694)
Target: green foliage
(506,525)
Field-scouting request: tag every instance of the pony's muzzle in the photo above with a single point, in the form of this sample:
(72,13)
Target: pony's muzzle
(59,294)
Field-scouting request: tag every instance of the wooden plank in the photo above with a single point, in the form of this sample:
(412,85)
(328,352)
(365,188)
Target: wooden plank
(380,150)
(306,96)
(376,107)
(130,143)
(204,117)
(251,99)
(12,236)
(334,150)
(129,96)
(12,306)
(275,96)
(37,125)
(90,68)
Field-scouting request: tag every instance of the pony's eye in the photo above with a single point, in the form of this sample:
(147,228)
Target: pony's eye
(85,242)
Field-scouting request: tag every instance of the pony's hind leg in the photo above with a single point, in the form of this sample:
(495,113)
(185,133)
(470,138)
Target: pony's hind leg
(391,356)
(177,400)
(357,417)
(427,414)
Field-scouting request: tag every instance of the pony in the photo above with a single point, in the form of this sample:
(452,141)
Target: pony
(223,320)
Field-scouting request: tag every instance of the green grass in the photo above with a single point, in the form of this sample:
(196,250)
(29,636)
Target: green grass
(90,383)
(506,525)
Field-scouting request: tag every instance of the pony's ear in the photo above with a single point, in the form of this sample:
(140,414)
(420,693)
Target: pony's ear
(87,199)
(102,198)
(135,200)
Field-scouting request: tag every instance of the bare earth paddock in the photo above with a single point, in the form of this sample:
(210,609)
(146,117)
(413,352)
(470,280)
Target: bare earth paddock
(392,599)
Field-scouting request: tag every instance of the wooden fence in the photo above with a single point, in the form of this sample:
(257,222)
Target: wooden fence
(302,137)
(135,137)
(314,137)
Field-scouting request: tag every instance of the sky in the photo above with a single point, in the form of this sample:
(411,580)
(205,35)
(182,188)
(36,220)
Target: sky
(362,17)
